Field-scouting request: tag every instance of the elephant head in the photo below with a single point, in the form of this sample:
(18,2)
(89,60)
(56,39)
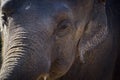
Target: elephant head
(42,38)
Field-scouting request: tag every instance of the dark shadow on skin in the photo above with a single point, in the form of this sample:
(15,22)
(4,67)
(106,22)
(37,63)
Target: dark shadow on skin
(113,12)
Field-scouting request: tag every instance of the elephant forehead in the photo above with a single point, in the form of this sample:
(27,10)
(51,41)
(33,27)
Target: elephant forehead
(44,4)
(45,8)
(43,14)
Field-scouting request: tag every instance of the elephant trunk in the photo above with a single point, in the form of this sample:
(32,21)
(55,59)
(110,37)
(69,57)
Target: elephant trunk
(20,60)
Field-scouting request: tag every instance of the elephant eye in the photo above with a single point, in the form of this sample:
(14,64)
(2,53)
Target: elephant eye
(64,24)
(4,19)
(64,28)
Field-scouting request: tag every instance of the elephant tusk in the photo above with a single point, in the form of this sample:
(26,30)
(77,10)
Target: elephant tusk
(45,77)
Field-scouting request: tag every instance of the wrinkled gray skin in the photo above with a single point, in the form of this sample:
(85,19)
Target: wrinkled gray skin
(43,39)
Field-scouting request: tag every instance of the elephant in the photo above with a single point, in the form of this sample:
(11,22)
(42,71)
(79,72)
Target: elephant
(56,40)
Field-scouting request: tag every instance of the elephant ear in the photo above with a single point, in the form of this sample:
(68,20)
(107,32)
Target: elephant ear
(95,31)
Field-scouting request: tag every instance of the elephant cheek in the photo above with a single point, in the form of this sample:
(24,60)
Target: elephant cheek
(61,66)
